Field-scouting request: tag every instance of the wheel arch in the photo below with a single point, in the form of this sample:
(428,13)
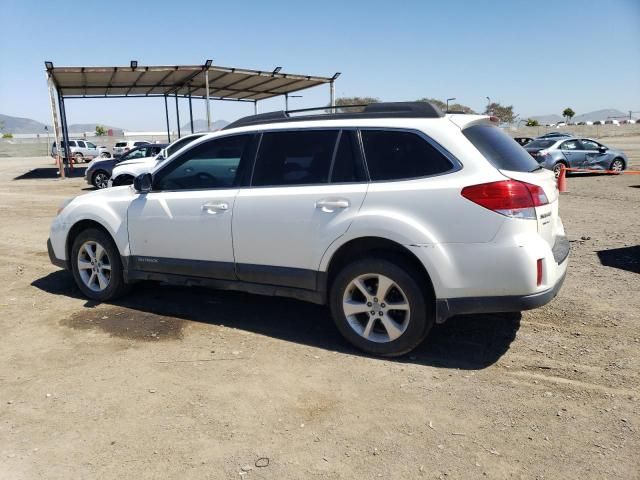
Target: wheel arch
(379,247)
(622,159)
(79,227)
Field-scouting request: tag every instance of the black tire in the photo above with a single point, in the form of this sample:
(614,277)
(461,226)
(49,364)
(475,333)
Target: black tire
(122,180)
(116,286)
(78,157)
(557,167)
(420,318)
(617,164)
(100,179)
(105,155)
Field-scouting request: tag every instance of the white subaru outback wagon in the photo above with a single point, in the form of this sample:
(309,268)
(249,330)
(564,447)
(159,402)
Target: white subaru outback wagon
(397,217)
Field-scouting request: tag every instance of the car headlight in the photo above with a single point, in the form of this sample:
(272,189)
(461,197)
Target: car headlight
(64,204)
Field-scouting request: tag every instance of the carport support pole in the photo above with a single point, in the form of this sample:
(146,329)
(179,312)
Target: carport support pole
(177,114)
(56,127)
(286,102)
(65,131)
(166,113)
(206,87)
(332,96)
(255,107)
(190,113)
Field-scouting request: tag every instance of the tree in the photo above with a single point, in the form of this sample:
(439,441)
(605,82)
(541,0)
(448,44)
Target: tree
(7,135)
(342,101)
(100,131)
(568,114)
(503,112)
(454,107)
(532,123)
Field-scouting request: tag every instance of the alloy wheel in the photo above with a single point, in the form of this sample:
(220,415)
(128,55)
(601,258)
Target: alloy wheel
(616,166)
(376,308)
(94,266)
(101,180)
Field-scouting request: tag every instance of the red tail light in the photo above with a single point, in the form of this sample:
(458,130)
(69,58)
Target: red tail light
(508,197)
(539,272)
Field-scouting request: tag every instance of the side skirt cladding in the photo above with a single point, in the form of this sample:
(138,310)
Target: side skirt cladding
(301,284)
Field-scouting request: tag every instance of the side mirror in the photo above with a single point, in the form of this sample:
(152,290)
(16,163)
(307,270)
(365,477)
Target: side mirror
(142,183)
(602,149)
(159,157)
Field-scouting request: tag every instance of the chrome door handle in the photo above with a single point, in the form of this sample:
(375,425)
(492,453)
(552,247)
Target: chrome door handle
(215,207)
(330,205)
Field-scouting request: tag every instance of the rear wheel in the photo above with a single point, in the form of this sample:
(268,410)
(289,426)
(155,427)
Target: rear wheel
(105,155)
(380,307)
(617,165)
(100,179)
(78,157)
(96,265)
(557,167)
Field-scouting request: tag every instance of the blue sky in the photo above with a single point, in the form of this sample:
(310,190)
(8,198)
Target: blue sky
(540,56)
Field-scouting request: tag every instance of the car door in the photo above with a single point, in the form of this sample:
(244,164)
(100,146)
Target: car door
(183,225)
(92,150)
(594,156)
(306,187)
(572,151)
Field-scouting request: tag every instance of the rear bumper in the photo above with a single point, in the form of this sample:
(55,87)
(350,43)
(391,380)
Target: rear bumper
(52,256)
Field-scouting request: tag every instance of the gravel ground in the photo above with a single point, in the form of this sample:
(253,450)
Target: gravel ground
(190,383)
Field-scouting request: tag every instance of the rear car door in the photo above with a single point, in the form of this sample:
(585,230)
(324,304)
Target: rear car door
(183,226)
(573,152)
(306,187)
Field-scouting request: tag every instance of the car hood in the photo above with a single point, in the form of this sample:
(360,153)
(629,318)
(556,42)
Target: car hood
(106,163)
(137,160)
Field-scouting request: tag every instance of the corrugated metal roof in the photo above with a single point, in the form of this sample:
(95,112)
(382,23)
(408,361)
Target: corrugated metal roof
(224,83)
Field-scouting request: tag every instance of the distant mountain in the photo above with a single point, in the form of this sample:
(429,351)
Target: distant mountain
(200,125)
(584,117)
(11,124)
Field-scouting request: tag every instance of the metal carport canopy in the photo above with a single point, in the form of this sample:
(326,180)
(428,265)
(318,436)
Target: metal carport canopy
(182,80)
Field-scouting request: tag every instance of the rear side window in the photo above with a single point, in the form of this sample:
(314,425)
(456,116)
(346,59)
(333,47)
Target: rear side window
(395,155)
(502,151)
(137,144)
(294,158)
(121,144)
(347,166)
(72,143)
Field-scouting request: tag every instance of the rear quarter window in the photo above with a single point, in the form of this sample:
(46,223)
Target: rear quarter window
(396,155)
(502,151)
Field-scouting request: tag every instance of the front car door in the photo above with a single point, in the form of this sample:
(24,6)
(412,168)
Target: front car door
(183,226)
(595,157)
(307,185)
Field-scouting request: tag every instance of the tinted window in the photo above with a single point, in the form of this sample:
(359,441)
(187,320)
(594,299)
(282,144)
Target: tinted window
(392,155)
(81,144)
(72,143)
(541,144)
(121,144)
(294,158)
(213,164)
(500,149)
(137,144)
(178,144)
(90,145)
(347,166)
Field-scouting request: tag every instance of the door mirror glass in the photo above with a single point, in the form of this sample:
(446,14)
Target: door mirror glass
(142,183)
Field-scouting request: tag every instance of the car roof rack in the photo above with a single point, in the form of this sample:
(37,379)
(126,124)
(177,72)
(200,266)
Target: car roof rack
(372,110)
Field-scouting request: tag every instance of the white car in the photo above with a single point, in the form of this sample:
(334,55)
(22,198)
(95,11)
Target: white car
(398,217)
(120,148)
(126,171)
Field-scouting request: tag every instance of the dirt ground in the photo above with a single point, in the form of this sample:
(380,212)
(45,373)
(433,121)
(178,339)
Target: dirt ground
(199,384)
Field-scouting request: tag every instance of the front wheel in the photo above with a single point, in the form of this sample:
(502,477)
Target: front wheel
(96,265)
(617,165)
(105,155)
(557,168)
(380,307)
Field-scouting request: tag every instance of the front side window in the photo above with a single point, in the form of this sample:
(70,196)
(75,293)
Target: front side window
(213,164)
(590,144)
(294,158)
(395,155)
(90,145)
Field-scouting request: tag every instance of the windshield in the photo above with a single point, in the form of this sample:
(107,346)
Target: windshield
(502,151)
(540,144)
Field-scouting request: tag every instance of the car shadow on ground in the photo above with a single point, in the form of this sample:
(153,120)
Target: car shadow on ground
(469,342)
(625,258)
(50,172)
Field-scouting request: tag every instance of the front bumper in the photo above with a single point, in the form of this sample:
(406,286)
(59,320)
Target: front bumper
(52,256)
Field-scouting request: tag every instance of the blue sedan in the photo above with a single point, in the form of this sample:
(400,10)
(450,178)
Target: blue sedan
(553,153)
